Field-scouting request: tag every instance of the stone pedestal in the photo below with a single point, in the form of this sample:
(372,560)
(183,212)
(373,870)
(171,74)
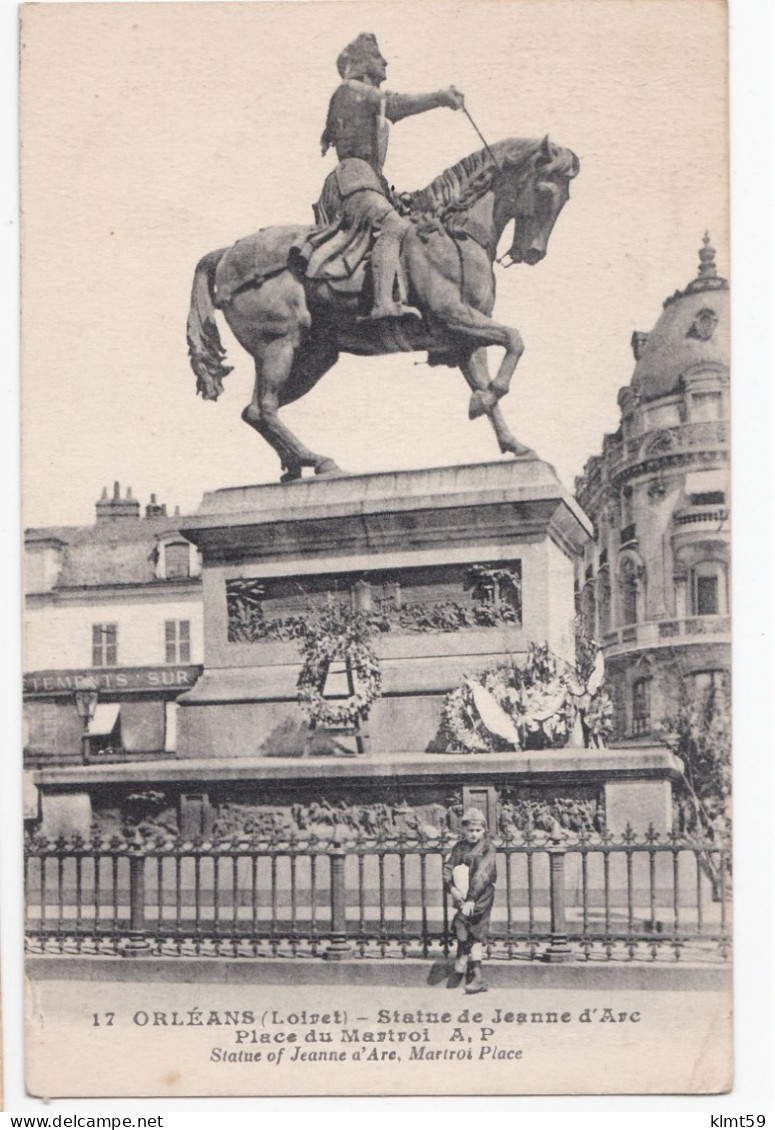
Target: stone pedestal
(418,531)
(416,537)
(644,774)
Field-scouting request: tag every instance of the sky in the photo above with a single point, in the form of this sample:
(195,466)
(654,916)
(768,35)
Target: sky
(152,133)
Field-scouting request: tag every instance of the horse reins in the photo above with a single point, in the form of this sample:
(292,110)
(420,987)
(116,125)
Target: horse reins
(481,136)
(502,261)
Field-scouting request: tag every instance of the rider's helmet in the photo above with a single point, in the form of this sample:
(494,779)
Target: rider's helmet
(354,59)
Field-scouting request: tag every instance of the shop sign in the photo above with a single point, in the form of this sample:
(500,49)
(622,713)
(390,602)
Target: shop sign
(113,679)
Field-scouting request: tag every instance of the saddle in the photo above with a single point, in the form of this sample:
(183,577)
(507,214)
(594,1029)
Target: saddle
(338,258)
(270,251)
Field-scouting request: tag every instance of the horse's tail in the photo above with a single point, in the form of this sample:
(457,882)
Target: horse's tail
(205,350)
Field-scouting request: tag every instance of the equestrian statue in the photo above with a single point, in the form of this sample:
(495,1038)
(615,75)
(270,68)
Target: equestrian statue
(379,272)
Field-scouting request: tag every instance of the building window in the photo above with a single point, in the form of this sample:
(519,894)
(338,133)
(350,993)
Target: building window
(641,707)
(44,726)
(604,601)
(176,560)
(170,727)
(104,645)
(588,611)
(707,681)
(707,406)
(630,603)
(709,596)
(177,641)
(620,712)
(629,584)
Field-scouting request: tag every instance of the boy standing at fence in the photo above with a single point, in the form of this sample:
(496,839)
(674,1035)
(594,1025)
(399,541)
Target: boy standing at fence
(469,876)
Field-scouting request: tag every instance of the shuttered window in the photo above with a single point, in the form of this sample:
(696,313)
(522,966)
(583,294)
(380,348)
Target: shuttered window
(177,641)
(104,645)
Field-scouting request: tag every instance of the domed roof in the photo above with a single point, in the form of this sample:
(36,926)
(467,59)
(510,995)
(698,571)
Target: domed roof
(692,330)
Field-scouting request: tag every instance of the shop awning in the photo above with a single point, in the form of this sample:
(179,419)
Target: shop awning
(104,721)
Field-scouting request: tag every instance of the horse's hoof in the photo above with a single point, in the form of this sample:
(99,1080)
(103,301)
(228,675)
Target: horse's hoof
(482,402)
(328,467)
(292,475)
(519,451)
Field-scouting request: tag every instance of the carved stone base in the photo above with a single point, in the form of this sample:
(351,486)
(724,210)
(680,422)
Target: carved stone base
(428,539)
(337,950)
(136,947)
(559,953)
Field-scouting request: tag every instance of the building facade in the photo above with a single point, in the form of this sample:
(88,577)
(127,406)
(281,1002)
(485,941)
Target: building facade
(118,606)
(653,587)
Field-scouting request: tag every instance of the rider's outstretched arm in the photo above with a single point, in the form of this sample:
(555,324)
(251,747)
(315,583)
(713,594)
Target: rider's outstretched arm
(398,106)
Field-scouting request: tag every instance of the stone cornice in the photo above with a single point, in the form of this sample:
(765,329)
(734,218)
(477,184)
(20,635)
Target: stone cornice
(373,514)
(567,764)
(156,591)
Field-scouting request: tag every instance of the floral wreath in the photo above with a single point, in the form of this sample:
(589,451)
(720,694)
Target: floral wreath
(528,698)
(341,638)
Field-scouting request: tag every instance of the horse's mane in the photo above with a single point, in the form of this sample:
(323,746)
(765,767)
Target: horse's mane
(466,182)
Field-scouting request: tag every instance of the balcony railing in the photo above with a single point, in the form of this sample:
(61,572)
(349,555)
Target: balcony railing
(707,625)
(684,437)
(653,633)
(697,516)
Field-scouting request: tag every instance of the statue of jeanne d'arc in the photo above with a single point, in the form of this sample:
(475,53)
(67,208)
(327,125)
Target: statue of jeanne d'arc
(356,203)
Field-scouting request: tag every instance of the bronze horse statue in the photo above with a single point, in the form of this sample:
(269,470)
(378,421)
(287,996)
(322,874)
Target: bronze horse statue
(295,328)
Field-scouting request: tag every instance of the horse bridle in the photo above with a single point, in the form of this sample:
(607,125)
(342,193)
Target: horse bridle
(507,259)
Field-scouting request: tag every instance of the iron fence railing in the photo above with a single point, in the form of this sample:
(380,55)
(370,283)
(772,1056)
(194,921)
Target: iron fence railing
(560,897)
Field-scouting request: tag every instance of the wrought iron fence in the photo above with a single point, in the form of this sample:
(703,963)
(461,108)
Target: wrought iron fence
(558,898)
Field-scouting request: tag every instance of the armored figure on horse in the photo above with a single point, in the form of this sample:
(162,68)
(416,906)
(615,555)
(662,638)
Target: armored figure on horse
(378,274)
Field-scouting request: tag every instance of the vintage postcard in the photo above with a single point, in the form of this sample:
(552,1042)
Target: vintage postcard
(377,698)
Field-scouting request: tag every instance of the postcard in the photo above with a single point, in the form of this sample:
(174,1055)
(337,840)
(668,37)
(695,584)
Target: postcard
(377,641)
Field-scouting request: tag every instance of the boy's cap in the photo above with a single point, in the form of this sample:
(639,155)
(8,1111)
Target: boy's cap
(473,816)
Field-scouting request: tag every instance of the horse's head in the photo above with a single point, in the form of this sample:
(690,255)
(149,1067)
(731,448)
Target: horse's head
(533,192)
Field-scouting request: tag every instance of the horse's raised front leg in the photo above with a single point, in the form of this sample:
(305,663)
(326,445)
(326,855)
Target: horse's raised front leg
(276,368)
(477,375)
(457,318)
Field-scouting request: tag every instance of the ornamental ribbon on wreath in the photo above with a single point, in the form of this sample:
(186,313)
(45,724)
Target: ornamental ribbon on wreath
(340,636)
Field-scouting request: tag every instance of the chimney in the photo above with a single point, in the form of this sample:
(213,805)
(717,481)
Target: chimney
(116,508)
(155,509)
